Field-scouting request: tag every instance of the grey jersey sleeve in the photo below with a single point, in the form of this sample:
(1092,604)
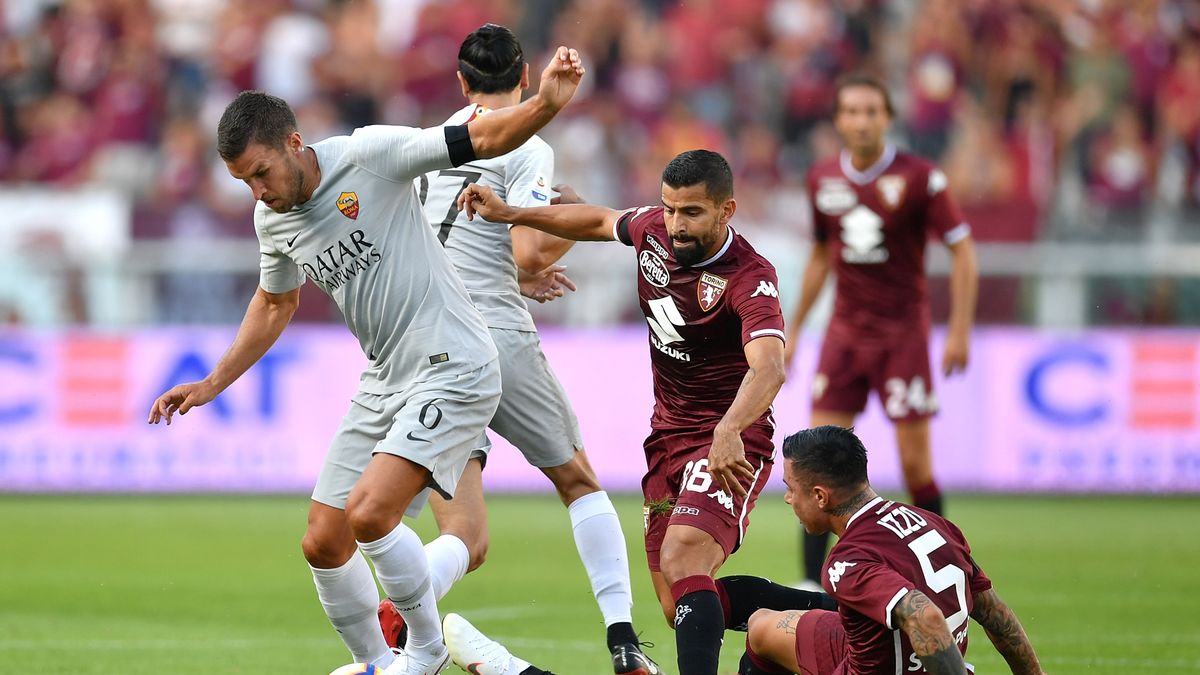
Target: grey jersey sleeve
(277,273)
(530,175)
(400,153)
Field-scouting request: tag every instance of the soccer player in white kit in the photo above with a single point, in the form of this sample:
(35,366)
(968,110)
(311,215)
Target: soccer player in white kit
(534,413)
(344,213)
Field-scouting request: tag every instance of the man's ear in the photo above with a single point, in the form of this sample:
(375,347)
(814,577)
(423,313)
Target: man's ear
(295,143)
(823,496)
(727,210)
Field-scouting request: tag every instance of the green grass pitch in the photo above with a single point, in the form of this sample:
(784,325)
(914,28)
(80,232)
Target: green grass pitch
(191,585)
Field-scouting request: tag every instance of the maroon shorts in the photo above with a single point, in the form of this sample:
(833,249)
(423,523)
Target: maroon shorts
(821,643)
(898,370)
(678,489)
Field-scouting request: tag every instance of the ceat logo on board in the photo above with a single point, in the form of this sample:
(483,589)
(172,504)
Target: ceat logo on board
(710,289)
(347,203)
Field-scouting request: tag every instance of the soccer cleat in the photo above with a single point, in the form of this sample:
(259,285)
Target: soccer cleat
(410,664)
(629,659)
(473,651)
(395,631)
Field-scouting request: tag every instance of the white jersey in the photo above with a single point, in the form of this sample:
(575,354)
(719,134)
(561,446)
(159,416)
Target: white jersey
(482,251)
(363,240)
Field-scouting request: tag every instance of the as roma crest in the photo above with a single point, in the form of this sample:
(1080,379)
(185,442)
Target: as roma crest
(347,203)
(710,289)
(891,190)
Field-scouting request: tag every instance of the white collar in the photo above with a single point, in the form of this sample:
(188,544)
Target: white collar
(872,172)
(728,242)
(866,506)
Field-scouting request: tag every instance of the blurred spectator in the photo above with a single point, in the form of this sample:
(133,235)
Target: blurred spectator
(940,49)
(1036,107)
(1179,116)
(58,141)
(1121,172)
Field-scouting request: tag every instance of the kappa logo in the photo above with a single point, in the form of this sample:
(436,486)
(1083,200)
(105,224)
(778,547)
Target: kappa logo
(766,288)
(723,499)
(710,289)
(681,613)
(685,511)
(347,203)
(836,570)
(819,384)
(658,248)
(937,182)
(654,269)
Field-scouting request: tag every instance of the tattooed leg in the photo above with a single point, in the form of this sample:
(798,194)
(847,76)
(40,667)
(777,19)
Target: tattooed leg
(772,637)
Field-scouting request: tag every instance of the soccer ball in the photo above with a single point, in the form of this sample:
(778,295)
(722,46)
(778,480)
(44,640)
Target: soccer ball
(358,669)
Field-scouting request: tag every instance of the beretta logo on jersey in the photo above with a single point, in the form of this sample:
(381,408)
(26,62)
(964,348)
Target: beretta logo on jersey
(891,190)
(710,289)
(347,203)
(835,197)
(654,269)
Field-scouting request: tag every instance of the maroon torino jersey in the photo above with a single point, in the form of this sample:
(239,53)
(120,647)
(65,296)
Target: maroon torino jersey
(875,223)
(700,319)
(887,550)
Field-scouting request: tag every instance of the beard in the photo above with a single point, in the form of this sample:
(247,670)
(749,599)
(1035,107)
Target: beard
(295,194)
(688,251)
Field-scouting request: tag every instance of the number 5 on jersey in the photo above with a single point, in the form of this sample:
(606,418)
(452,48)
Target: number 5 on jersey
(666,318)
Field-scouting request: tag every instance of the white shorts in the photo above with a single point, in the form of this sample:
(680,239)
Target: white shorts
(534,413)
(435,423)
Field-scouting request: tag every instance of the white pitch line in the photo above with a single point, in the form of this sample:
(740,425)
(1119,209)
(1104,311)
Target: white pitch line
(1170,664)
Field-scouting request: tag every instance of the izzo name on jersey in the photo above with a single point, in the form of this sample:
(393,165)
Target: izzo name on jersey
(342,261)
(903,521)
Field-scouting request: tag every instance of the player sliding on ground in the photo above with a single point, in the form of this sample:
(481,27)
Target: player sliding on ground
(904,579)
(716,346)
(534,413)
(344,212)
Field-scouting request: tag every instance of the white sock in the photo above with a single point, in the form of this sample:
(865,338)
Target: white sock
(349,596)
(448,562)
(601,546)
(403,572)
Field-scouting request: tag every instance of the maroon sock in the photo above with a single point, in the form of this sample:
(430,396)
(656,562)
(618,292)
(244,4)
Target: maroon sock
(928,497)
(699,624)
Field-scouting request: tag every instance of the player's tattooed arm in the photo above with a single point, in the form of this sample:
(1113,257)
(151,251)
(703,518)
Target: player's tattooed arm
(926,628)
(1006,633)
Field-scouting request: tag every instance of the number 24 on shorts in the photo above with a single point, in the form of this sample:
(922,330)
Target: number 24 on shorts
(903,398)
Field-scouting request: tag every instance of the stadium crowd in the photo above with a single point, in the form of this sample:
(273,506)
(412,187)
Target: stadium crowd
(1052,118)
